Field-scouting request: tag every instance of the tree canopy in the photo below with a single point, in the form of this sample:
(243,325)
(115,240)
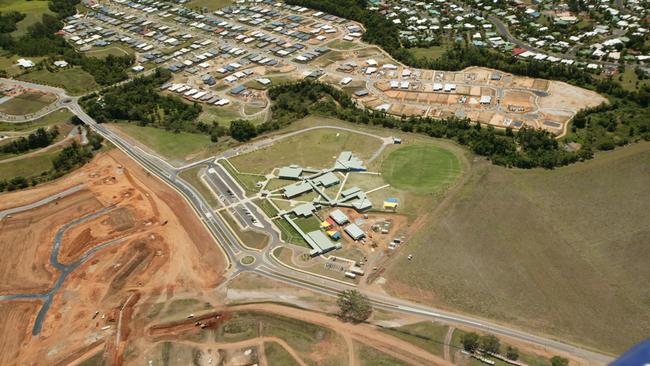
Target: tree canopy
(354,306)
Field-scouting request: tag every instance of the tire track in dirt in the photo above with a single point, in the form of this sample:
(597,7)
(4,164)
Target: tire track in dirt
(364,333)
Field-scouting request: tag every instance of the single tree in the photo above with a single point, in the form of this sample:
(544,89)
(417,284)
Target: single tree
(512,353)
(354,306)
(490,343)
(559,361)
(470,341)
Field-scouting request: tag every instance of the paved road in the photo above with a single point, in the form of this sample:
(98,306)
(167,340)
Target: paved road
(42,202)
(266,265)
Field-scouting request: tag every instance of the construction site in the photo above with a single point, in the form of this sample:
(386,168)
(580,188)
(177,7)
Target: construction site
(85,251)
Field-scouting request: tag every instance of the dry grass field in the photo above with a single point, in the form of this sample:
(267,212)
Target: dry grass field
(560,252)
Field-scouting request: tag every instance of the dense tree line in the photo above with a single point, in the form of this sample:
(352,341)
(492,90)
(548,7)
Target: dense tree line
(39,139)
(139,101)
(69,158)
(8,21)
(109,70)
(526,148)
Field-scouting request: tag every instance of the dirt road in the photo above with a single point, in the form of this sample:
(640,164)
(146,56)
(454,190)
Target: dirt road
(364,333)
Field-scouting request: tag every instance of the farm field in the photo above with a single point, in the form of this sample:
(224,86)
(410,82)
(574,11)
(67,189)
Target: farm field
(27,103)
(319,150)
(548,251)
(73,80)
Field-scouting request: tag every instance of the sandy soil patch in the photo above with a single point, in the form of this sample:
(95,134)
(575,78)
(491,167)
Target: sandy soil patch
(563,96)
(163,248)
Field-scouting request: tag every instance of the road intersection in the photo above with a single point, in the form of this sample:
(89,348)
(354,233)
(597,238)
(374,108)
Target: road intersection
(265,263)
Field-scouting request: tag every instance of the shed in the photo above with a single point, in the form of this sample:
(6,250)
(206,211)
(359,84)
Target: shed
(355,232)
(339,217)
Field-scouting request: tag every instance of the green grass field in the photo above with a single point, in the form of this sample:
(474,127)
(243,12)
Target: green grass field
(181,146)
(277,355)
(246,181)
(27,103)
(211,5)
(115,50)
(250,238)
(426,335)
(191,176)
(369,356)
(33,11)
(342,45)
(433,52)
(302,337)
(275,80)
(559,252)
(29,166)
(73,80)
(421,168)
(60,116)
(317,148)
(221,115)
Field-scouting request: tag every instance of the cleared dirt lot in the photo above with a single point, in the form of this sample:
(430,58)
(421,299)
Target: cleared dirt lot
(26,240)
(565,97)
(15,316)
(156,245)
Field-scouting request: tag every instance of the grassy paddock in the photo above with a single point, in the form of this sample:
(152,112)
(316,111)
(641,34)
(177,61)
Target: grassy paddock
(342,45)
(182,146)
(250,238)
(301,336)
(29,166)
(33,11)
(533,247)
(433,52)
(192,177)
(277,355)
(211,5)
(317,148)
(369,356)
(115,50)
(54,118)
(426,335)
(27,103)
(74,80)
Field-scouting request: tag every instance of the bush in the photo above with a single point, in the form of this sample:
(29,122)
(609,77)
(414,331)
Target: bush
(470,341)
(354,306)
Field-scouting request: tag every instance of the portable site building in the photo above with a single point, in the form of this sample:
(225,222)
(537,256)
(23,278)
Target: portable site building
(355,232)
(339,217)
